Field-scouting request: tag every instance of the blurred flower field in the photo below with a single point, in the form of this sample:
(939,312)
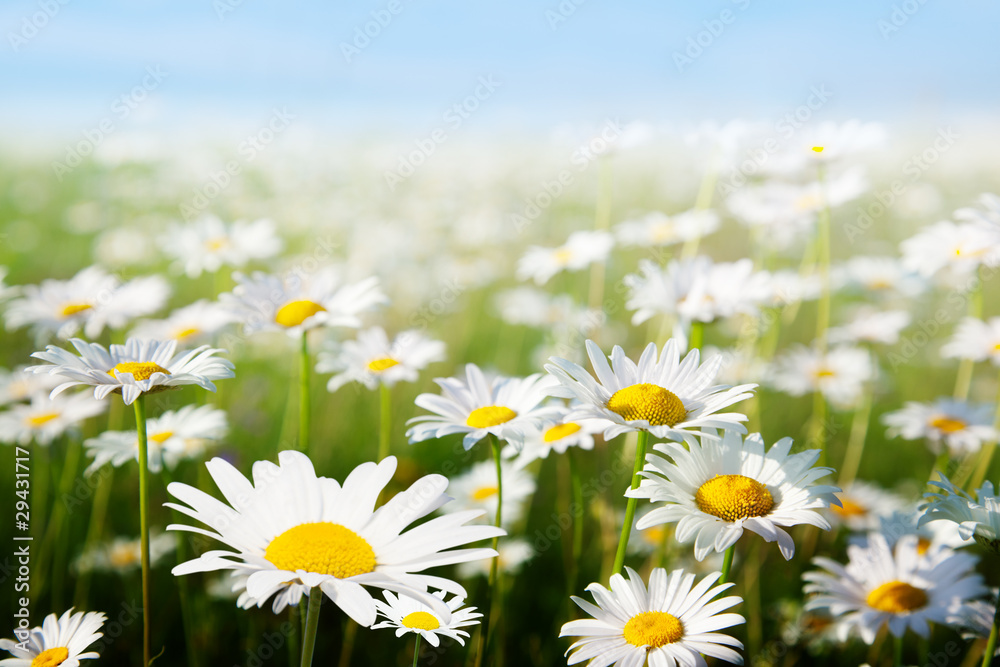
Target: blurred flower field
(559,311)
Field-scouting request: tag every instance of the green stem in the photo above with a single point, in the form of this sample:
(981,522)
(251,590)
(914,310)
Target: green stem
(856,442)
(577,512)
(416,650)
(963,380)
(350,636)
(55,541)
(385,421)
(897,651)
(818,439)
(727,564)
(294,646)
(140,427)
(495,564)
(697,335)
(640,459)
(304,394)
(312,623)
(991,643)
(187,617)
(986,454)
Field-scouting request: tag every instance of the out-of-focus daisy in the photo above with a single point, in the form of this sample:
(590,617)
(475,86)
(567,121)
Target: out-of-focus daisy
(557,436)
(508,408)
(673,622)
(977,518)
(961,248)
(838,373)
(975,619)
(58,641)
(292,527)
(194,323)
(534,308)
(170,438)
(988,213)
(91,301)
(123,554)
(409,615)
(580,250)
(514,553)
(666,396)
(297,303)
(897,587)
(960,426)
(19,385)
(477,489)
(208,243)
(133,369)
(715,489)
(660,229)
(863,506)
(878,276)
(788,287)
(372,359)
(932,536)
(975,339)
(45,419)
(871,326)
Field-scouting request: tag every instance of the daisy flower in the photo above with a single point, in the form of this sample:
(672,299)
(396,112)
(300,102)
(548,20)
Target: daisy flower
(977,518)
(408,615)
(373,360)
(514,553)
(19,385)
(556,436)
(932,536)
(895,587)
(717,488)
(194,323)
(58,641)
(123,554)
(291,527)
(975,339)
(673,622)
(208,243)
(508,408)
(872,326)
(839,374)
(477,489)
(877,276)
(297,303)
(580,250)
(45,419)
(135,368)
(660,229)
(863,506)
(962,248)
(960,426)
(667,397)
(789,287)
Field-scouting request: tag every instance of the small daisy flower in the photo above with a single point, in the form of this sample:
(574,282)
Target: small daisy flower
(514,553)
(667,397)
(408,615)
(556,436)
(673,622)
(19,385)
(932,536)
(839,373)
(135,368)
(977,518)
(789,287)
(208,243)
(872,326)
(531,307)
(961,248)
(58,641)
(660,229)
(45,419)
(877,276)
(197,322)
(291,527)
(895,587)
(508,408)
(960,426)
(975,339)
(477,489)
(373,360)
(580,250)
(716,489)
(863,506)
(123,554)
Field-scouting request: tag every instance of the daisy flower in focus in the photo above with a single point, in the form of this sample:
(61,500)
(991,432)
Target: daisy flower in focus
(977,517)
(297,303)
(660,229)
(863,507)
(122,554)
(135,368)
(45,419)
(408,615)
(514,553)
(673,622)
(962,427)
(960,248)
(839,374)
(508,408)
(477,489)
(717,488)
(197,322)
(208,243)
(19,385)
(58,641)
(975,339)
(667,396)
(580,250)
(372,359)
(896,587)
(871,326)
(291,527)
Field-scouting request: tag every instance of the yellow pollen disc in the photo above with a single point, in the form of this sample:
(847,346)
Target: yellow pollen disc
(896,597)
(850,508)
(74,308)
(420,620)
(186,333)
(51,657)
(947,424)
(124,555)
(560,431)
(733,497)
(653,628)
(484,492)
(217,243)
(379,365)
(817,149)
(654,535)
(295,313)
(491,415)
(923,544)
(824,373)
(322,548)
(562,256)
(140,370)
(162,437)
(647,401)
(39,420)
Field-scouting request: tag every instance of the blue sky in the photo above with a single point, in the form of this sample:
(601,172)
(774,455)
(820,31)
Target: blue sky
(606,59)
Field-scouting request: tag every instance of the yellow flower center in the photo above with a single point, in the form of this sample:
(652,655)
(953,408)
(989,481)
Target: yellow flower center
(379,365)
(647,401)
(484,492)
(322,548)
(42,419)
(849,508)
(491,415)
(140,370)
(923,544)
(420,620)
(654,535)
(562,256)
(216,244)
(817,149)
(295,313)
(560,431)
(123,555)
(51,657)
(733,497)
(824,372)
(71,309)
(653,628)
(896,597)
(947,424)
(186,333)
(162,437)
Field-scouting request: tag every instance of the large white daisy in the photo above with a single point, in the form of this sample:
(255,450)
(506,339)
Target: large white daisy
(373,360)
(673,622)
(58,641)
(409,615)
(718,487)
(977,517)
(291,527)
(667,397)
